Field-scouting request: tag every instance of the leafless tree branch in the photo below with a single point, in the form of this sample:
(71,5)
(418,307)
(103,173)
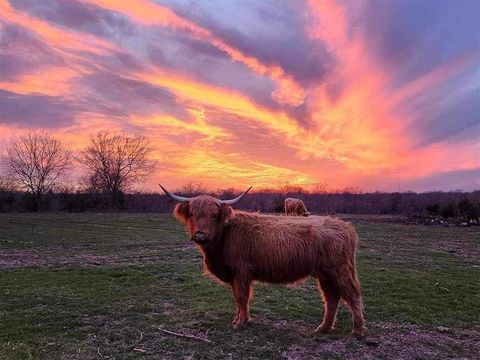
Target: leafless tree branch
(116,162)
(36,161)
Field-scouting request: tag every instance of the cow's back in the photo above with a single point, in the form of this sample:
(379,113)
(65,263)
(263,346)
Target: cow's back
(280,249)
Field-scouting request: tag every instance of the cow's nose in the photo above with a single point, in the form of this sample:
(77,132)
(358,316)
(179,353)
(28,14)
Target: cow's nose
(199,236)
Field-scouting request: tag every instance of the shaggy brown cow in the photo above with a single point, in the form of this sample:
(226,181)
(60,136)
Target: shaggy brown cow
(240,247)
(295,207)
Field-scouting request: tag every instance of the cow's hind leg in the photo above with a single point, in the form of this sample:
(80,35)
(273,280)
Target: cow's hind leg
(241,290)
(353,298)
(331,297)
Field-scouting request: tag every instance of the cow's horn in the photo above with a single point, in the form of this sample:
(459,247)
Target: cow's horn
(233,201)
(173,196)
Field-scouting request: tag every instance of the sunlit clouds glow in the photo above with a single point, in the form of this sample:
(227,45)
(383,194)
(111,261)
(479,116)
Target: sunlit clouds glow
(373,94)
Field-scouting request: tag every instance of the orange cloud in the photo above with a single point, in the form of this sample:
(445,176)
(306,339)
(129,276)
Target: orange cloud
(361,124)
(53,81)
(329,23)
(229,170)
(228,101)
(178,127)
(357,124)
(342,134)
(53,36)
(288,90)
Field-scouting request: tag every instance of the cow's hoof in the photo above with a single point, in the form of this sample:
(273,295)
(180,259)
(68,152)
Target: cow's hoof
(359,334)
(323,329)
(238,325)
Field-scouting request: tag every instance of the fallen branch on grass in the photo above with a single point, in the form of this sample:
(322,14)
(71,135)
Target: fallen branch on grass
(193,337)
(141,337)
(98,350)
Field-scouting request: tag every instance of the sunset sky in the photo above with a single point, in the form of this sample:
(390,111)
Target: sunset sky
(380,95)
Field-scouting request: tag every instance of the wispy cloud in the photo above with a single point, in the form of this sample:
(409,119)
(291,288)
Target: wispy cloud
(287,92)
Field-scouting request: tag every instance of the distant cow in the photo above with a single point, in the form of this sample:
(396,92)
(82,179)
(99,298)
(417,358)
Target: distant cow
(240,247)
(295,207)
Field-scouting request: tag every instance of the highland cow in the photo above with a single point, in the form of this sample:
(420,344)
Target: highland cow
(295,207)
(241,247)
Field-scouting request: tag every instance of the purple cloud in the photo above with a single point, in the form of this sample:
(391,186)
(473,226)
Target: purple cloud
(35,110)
(22,52)
(77,16)
(282,42)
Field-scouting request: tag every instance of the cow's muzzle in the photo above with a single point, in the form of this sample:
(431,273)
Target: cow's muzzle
(200,237)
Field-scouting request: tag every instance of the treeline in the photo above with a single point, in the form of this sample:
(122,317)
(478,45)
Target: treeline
(446,204)
(35,166)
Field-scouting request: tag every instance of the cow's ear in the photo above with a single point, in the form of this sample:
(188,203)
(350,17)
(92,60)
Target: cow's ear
(182,211)
(227,213)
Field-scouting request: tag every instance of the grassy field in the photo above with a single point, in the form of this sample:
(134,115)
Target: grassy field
(93,286)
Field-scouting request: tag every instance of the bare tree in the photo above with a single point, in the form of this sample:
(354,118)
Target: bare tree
(116,162)
(321,188)
(290,189)
(36,162)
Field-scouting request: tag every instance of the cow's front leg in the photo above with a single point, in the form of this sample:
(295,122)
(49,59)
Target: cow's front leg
(235,319)
(241,288)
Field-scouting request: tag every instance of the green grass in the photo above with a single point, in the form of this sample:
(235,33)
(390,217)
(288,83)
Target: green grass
(87,286)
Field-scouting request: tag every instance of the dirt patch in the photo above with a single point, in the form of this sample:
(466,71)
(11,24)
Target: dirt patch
(10,259)
(81,256)
(393,342)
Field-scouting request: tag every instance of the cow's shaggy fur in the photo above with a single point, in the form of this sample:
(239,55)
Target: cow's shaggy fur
(241,247)
(295,207)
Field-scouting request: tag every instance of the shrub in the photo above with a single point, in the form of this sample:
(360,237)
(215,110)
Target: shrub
(468,210)
(450,210)
(433,209)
